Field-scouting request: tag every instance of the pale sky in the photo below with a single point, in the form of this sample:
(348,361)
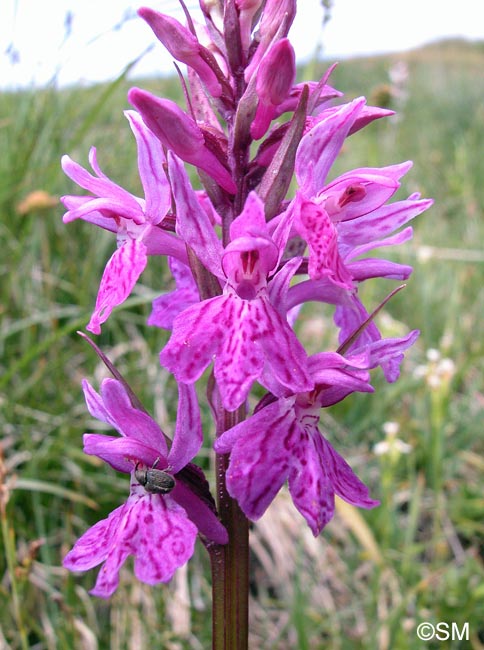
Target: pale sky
(102,39)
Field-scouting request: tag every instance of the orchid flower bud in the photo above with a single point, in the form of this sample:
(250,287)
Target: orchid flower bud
(275,78)
(274,10)
(205,38)
(247,11)
(277,18)
(184,46)
(213,12)
(180,133)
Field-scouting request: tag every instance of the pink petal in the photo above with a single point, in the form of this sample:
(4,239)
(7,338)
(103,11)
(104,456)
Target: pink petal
(349,317)
(361,191)
(239,362)
(279,285)
(75,203)
(165,539)
(309,482)
(166,308)
(188,436)
(123,453)
(315,226)
(261,454)
(120,275)
(197,335)
(101,185)
(339,375)
(388,353)
(169,305)
(345,482)
(399,238)
(180,133)
(193,223)
(251,221)
(92,548)
(283,352)
(321,290)
(320,474)
(95,404)
(95,209)
(380,222)
(129,421)
(150,164)
(377,268)
(282,231)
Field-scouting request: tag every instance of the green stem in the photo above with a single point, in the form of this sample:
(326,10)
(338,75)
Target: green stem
(230,564)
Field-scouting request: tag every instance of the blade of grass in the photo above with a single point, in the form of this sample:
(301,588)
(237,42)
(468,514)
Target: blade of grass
(35,485)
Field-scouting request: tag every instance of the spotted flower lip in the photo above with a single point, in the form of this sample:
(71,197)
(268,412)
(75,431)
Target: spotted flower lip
(154,530)
(159,530)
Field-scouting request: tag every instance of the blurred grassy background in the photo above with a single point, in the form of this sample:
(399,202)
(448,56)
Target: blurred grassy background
(371,577)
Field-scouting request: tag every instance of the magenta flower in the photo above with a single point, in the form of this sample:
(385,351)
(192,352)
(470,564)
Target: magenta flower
(346,218)
(242,329)
(135,221)
(282,442)
(159,530)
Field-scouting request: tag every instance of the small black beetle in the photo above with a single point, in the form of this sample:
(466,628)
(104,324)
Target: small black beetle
(154,480)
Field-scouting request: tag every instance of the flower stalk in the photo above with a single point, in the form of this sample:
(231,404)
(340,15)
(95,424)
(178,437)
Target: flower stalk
(230,571)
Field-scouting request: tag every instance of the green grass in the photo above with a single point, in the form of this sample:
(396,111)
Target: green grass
(371,577)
